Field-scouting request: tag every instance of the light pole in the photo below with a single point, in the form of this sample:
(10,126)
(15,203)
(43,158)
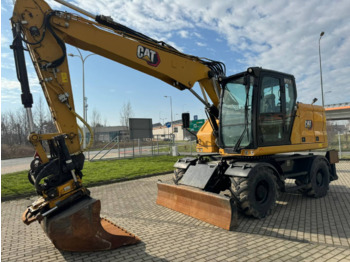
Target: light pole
(319,53)
(83,59)
(171,117)
(163,124)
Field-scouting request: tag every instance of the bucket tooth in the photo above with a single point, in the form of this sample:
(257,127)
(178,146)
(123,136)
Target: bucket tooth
(212,208)
(80,228)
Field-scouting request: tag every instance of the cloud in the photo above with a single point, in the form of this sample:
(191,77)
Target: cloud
(9,3)
(5,55)
(183,33)
(281,35)
(53,4)
(201,44)
(5,40)
(7,85)
(11,89)
(14,84)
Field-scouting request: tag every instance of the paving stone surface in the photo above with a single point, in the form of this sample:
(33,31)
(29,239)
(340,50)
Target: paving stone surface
(299,229)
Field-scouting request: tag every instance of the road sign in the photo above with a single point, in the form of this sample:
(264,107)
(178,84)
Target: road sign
(195,125)
(140,128)
(195,117)
(168,124)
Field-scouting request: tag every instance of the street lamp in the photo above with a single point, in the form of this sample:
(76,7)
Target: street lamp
(171,111)
(319,53)
(83,59)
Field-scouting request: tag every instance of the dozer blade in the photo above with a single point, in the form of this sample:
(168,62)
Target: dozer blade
(212,208)
(80,228)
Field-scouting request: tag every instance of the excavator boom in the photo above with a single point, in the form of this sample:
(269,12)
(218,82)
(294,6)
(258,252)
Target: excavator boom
(65,210)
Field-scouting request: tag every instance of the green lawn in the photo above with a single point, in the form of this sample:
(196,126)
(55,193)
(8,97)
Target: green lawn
(16,184)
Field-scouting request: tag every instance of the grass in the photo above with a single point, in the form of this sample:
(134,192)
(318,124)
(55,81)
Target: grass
(17,184)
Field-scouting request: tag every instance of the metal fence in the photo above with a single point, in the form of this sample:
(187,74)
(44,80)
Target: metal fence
(340,141)
(163,145)
(125,148)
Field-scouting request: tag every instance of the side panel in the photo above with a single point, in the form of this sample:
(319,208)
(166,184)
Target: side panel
(206,140)
(309,125)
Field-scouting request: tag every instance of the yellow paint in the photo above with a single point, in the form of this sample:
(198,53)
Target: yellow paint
(206,140)
(317,115)
(64,191)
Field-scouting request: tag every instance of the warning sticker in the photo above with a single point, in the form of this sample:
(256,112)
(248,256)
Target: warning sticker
(64,77)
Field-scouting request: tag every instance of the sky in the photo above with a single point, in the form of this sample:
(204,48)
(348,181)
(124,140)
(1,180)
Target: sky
(279,35)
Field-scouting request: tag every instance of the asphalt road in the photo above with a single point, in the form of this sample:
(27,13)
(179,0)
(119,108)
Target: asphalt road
(15,165)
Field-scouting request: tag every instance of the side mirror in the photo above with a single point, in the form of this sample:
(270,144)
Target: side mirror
(185,120)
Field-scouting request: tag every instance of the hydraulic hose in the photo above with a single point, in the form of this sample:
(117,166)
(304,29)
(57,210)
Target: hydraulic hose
(87,125)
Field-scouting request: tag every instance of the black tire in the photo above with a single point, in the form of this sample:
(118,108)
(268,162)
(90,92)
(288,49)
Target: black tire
(256,194)
(178,174)
(319,178)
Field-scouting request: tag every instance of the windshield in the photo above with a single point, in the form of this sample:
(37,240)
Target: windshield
(236,110)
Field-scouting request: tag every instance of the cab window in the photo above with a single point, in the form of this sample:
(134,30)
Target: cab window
(270,95)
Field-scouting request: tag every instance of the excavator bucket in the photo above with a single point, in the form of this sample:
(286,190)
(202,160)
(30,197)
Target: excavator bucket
(80,228)
(212,208)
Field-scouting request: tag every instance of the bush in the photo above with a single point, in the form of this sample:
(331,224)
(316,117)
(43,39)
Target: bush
(16,151)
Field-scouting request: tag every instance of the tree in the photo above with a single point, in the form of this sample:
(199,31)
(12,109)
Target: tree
(95,122)
(126,113)
(5,128)
(105,121)
(95,118)
(40,115)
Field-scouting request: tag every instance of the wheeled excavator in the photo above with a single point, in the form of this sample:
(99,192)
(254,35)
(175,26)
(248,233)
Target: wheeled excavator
(246,146)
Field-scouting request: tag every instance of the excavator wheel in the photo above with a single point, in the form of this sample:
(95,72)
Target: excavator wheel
(80,228)
(319,178)
(256,194)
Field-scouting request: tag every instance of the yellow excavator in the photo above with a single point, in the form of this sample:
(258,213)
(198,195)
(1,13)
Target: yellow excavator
(246,146)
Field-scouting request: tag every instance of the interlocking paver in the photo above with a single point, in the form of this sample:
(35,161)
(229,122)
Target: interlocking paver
(299,229)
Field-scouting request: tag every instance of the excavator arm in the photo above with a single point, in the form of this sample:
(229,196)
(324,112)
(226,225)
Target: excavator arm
(46,32)
(57,178)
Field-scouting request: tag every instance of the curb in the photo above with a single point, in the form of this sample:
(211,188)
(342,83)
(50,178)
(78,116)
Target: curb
(95,184)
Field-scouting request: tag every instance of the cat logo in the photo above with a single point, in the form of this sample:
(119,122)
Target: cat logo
(308,124)
(151,57)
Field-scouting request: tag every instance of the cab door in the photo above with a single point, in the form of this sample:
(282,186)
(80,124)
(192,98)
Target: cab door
(275,109)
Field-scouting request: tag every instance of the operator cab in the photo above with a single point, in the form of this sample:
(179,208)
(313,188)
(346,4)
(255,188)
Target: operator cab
(256,110)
